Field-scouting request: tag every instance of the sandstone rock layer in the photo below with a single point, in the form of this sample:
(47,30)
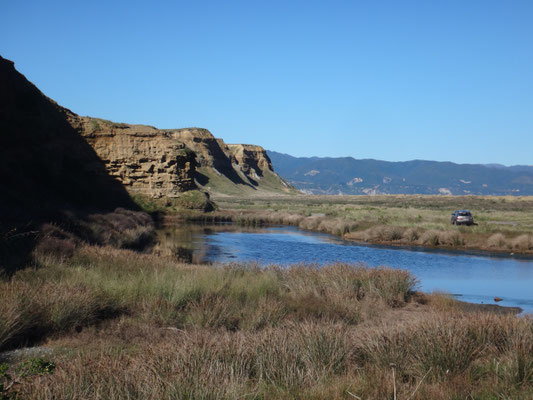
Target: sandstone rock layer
(146,160)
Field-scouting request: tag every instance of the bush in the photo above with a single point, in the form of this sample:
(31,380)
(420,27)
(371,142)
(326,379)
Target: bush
(451,238)
(522,242)
(35,366)
(55,248)
(411,235)
(431,238)
(194,200)
(123,229)
(497,241)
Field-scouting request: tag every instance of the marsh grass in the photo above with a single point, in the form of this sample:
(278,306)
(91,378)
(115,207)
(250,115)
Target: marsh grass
(97,283)
(497,240)
(383,218)
(139,326)
(440,357)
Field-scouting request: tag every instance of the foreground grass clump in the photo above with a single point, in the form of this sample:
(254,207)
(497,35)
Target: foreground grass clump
(139,326)
(436,357)
(99,283)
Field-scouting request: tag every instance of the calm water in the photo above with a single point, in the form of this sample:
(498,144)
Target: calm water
(471,278)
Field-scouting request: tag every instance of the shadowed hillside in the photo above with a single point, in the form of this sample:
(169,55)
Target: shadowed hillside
(48,172)
(58,167)
(45,165)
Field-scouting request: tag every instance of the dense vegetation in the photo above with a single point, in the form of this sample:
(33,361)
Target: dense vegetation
(121,324)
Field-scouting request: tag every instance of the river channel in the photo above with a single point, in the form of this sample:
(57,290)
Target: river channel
(470,277)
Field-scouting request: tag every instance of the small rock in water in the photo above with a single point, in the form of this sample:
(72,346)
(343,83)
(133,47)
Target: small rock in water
(497,299)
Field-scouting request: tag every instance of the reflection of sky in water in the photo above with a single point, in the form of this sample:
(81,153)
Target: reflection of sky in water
(475,278)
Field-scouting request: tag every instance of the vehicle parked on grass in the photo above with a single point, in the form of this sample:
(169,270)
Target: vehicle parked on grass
(461,217)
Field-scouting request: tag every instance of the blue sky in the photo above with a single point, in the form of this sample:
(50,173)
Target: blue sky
(391,80)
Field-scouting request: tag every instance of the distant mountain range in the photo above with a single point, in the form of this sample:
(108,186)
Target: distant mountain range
(346,175)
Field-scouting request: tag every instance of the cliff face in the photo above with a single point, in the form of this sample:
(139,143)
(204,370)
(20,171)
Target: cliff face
(52,159)
(167,162)
(251,159)
(45,165)
(231,169)
(146,160)
(210,151)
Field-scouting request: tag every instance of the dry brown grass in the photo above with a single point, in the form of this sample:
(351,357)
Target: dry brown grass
(522,242)
(411,235)
(101,282)
(497,240)
(451,238)
(137,326)
(430,238)
(440,356)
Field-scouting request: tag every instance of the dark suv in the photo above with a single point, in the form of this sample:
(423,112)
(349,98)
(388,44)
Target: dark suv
(462,217)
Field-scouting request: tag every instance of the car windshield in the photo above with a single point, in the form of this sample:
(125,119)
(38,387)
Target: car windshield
(464,214)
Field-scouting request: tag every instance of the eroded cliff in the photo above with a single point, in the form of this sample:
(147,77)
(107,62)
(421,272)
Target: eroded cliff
(53,158)
(146,160)
(252,160)
(168,162)
(231,168)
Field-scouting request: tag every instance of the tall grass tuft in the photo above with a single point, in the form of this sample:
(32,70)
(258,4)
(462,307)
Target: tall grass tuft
(32,311)
(497,240)
(431,238)
(522,242)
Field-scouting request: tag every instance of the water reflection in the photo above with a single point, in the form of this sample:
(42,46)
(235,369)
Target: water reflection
(473,277)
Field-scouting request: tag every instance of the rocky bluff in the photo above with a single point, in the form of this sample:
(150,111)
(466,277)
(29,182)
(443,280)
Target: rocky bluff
(167,162)
(146,160)
(52,159)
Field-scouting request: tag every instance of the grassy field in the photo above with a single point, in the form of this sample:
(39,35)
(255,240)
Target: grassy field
(503,224)
(116,324)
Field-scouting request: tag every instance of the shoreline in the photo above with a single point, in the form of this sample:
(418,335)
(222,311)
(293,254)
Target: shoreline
(235,218)
(474,251)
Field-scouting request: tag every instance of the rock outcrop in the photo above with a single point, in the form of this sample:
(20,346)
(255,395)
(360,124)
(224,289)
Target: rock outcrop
(146,160)
(210,151)
(168,162)
(252,160)
(231,168)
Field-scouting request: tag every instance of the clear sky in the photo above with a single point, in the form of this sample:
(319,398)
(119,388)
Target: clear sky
(392,80)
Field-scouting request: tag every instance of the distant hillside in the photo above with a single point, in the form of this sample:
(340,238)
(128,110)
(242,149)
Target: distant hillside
(347,175)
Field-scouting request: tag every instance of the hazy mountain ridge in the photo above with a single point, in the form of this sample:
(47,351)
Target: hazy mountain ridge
(346,175)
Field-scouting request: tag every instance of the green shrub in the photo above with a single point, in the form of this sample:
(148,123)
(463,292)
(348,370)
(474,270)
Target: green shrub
(35,366)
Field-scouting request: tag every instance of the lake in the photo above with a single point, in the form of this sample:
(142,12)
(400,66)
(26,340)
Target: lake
(470,277)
